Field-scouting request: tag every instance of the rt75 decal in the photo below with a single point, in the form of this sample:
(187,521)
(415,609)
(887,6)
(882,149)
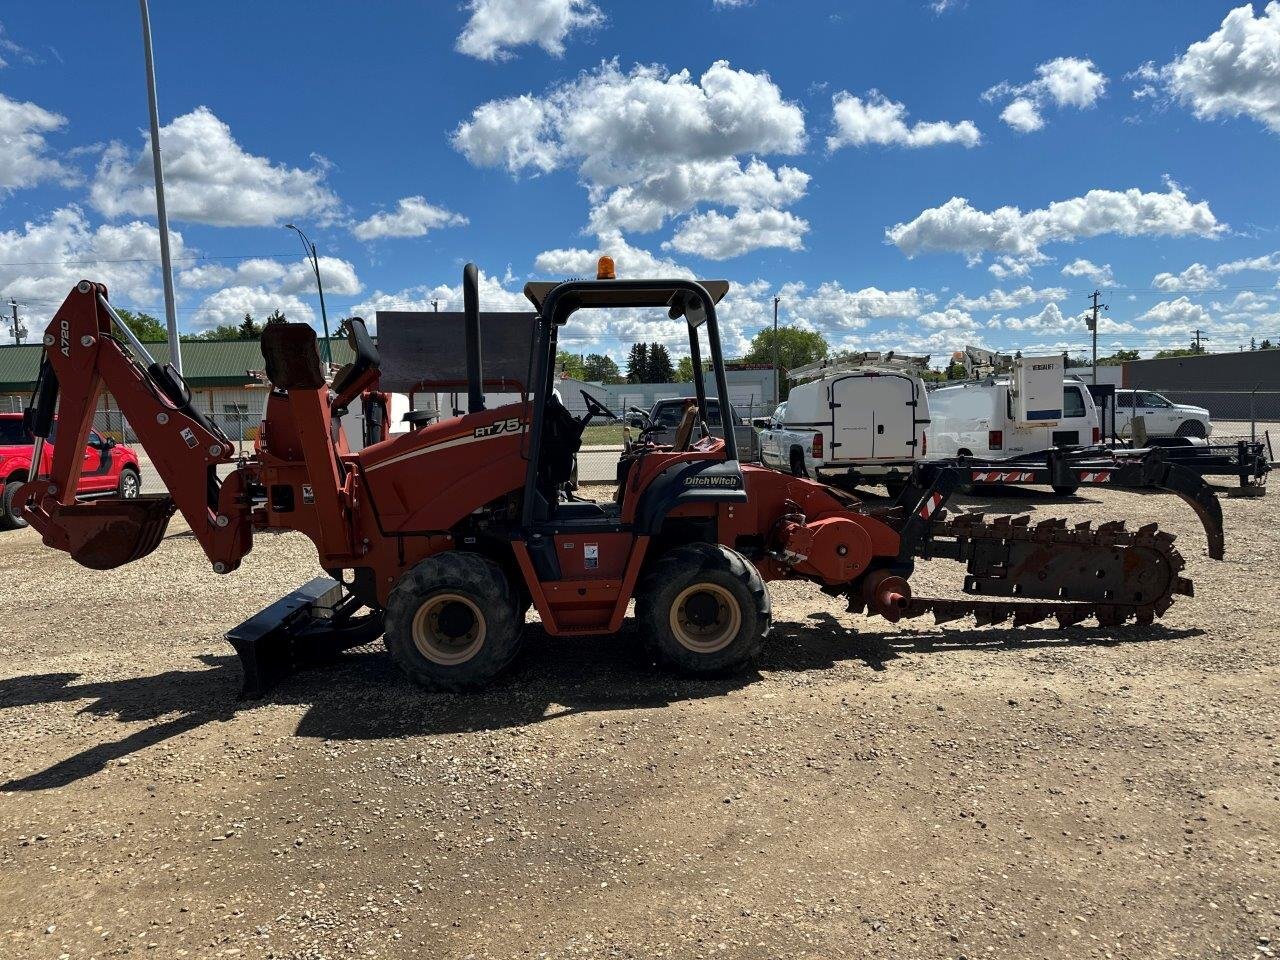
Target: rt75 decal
(502,426)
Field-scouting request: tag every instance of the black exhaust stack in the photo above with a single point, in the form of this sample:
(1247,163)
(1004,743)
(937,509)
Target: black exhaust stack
(471,317)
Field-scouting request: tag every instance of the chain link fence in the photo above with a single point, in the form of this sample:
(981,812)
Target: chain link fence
(1236,412)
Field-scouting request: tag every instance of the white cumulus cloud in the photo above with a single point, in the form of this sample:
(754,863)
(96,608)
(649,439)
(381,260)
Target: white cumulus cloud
(649,144)
(495,26)
(882,122)
(25,159)
(959,227)
(1062,82)
(42,260)
(1196,277)
(1234,71)
(998,299)
(412,217)
(715,236)
(1091,271)
(209,178)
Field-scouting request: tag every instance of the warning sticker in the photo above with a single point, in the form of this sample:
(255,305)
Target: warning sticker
(308,493)
(189,435)
(591,555)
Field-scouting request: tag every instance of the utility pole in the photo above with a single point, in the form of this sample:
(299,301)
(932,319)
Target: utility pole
(1092,321)
(19,331)
(1197,348)
(777,382)
(162,218)
(435,305)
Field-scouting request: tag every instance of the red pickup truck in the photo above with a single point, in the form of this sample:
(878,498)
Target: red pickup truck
(109,467)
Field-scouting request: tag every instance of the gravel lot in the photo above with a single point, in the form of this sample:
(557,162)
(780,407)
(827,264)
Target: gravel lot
(871,791)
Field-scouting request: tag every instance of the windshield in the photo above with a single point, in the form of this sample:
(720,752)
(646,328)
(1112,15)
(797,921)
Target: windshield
(669,414)
(11,432)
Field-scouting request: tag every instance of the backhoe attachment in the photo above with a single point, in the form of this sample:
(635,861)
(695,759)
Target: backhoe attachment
(88,348)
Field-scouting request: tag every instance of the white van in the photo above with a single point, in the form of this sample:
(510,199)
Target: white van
(982,418)
(859,419)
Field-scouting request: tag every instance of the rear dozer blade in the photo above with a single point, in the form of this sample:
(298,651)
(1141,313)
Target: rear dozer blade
(107,533)
(312,624)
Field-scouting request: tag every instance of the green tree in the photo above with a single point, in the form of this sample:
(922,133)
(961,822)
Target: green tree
(638,363)
(276,316)
(1118,358)
(796,348)
(571,364)
(1179,352)
(144,326)
(955,370)
(660,368)
(1265,345)
(250,329)
(684,370)
(600,369)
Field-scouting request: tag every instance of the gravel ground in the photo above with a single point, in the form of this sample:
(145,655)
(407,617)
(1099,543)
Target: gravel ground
(871,791)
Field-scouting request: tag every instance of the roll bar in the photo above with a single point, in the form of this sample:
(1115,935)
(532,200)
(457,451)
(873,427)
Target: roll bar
(692,299)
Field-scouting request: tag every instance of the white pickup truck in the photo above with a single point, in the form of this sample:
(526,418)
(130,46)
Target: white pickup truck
(857,420)
(1162,417)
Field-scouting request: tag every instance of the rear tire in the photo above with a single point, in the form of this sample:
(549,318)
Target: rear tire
(10,511)
(797,464)
(129,485)
(1190,428)
(451,622)
(703,609)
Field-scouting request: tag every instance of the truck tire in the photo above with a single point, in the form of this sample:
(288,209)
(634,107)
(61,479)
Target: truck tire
(1190,428)
(451,622)
(10,514)
(797,463)
(1066,489)
(129,485)
(703,610)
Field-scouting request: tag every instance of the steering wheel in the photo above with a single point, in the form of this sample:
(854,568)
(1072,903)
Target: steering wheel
(595,408)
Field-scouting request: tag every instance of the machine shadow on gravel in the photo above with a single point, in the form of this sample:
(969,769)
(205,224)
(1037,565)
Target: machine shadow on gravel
(362,696)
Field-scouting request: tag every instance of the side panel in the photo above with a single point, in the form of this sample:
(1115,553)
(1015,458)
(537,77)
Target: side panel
(430,479)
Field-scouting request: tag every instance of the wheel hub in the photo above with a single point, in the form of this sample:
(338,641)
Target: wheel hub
(705,618)
(449,629)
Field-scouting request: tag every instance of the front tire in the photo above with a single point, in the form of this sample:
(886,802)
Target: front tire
(703,610)
(451,622)
(1191,428)
(10,510)
(129,485)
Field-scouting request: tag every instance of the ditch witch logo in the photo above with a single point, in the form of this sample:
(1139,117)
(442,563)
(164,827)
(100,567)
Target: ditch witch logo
(701,481)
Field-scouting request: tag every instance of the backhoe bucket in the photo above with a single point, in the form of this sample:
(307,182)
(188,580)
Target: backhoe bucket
(107,533)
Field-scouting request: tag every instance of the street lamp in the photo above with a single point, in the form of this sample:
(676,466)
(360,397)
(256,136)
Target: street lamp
(310,249)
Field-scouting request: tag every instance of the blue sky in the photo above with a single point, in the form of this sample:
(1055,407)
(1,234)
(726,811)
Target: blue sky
(916,174)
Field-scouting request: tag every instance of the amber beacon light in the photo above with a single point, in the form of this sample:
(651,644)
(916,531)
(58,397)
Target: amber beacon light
(605,269)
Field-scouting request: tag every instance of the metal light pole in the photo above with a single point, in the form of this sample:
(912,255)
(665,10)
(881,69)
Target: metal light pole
(162,218)
(310,248)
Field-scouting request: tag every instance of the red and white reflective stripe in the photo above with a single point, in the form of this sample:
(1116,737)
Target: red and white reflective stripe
(996,476)
(930,505)
(1095,476)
